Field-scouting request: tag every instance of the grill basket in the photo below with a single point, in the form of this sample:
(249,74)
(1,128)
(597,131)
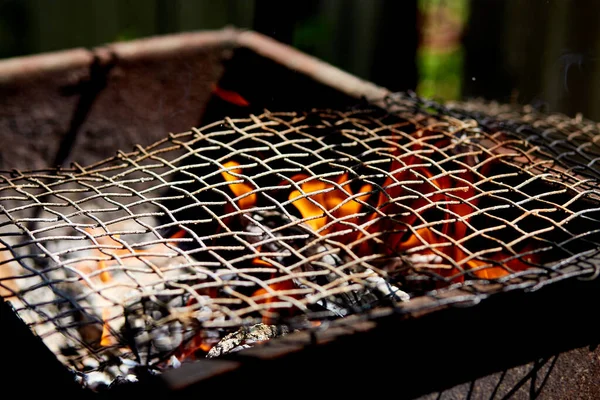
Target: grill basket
(250,228)
(409,231)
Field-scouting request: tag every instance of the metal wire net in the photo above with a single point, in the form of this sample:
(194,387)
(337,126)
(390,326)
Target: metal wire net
(160,255)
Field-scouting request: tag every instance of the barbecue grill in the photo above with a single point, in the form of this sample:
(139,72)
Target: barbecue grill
(277,235)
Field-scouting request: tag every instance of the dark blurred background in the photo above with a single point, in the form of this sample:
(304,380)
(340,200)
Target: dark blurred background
(543,52)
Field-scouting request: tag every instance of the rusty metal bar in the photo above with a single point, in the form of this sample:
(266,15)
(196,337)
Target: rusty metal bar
(410,356)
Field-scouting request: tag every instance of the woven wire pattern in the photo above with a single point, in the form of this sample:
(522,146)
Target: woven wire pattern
(292,218)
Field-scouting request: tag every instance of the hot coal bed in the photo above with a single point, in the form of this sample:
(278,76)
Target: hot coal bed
(258,228)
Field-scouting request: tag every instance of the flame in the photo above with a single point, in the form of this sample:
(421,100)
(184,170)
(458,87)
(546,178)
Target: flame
(104,275)
(322,203)
(188,350)
(316,197)
(266,298)
(239,188)
(230,96)
(261,263)
(263,296)
(494,272)
(106,338)
(454,194)
(279,286)
(198,343)
(459,206)
(178,235)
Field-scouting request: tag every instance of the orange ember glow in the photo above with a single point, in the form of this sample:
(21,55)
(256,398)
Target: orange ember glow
(178,235)
(230,96)
(104,275)
(196,344)
(494,272)
(264,296)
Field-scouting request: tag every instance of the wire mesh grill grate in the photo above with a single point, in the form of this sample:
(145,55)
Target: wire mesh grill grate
(290,219)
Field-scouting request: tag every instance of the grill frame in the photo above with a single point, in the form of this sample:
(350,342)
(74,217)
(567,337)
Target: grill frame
(198,377)
(556,309)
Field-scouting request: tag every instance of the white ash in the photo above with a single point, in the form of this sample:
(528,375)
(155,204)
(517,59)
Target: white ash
(66,310)
(246,337)
(423,260)
(155,327)
(378,283)
(98,380)
(149,331)
(173,362)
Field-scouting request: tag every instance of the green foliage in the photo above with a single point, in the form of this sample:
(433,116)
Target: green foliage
(440,55)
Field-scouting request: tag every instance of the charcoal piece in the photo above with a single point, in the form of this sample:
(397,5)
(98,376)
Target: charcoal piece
(246,337)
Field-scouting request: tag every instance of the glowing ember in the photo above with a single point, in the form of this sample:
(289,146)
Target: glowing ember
(230,96)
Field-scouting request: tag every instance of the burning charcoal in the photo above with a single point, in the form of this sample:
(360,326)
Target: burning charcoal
(293,216)
(246,337)
(267,224)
